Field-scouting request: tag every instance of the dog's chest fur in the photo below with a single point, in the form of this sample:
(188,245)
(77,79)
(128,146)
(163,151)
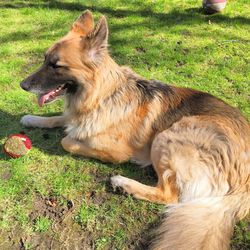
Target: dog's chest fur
(99,120)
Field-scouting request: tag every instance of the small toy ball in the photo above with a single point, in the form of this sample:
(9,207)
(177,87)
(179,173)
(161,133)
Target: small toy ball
(17,145)
(213,6)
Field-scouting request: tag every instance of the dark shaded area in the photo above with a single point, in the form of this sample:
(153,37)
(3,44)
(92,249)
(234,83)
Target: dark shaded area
(10,124)
(144,12)
(148,234)
(196,14)
(49,141)
(164,21)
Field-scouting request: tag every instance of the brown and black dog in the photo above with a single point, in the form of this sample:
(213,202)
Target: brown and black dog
(199,146)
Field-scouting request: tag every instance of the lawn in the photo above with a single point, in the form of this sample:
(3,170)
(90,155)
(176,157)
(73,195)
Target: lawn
(53,200)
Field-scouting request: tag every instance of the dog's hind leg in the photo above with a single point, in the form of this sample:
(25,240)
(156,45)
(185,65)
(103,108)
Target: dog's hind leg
(42,122)
(163,193)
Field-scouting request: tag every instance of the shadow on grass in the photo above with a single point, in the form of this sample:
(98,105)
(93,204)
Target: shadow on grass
(48,141)
(148,234)
(140,32)
(190,15)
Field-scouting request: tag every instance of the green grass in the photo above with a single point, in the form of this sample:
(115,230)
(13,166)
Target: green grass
(172,41)
(42,224)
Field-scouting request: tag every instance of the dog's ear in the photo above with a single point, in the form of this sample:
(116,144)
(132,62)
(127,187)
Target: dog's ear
(84,24)
(98,39)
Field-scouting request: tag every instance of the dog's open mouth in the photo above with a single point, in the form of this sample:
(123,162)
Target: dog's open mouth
(52,95)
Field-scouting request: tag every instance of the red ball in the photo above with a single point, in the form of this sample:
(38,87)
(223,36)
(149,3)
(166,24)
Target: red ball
(213,6)
(17,145)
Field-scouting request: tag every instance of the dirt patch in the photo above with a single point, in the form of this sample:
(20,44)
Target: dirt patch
(5,174)
(54,208)
(65,234)
(97,198)
(62,234)
(65,237)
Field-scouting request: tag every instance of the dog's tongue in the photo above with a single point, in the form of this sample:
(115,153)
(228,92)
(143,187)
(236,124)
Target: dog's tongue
(43,98)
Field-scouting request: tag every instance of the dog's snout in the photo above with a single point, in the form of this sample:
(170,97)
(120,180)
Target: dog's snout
(25,85)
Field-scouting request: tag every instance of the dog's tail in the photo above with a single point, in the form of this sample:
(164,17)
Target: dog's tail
(206,223)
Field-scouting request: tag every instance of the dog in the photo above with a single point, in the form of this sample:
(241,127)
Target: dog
(199,146)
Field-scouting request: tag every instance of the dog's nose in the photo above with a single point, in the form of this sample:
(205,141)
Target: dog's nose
(25,85)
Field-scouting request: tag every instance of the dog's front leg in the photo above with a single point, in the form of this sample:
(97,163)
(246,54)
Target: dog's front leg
(114,155)
(43,122)
(80,148)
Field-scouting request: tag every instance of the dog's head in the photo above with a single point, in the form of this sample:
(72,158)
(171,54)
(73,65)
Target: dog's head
(70,63)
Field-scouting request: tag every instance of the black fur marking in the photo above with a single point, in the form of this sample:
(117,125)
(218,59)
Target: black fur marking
(71,87)
(205,104)
(152,88)
(198,104)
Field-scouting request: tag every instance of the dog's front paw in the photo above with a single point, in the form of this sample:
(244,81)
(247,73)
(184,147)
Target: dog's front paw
(29,120)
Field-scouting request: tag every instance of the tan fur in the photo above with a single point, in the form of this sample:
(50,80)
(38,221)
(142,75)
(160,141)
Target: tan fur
(199,146)
(212,173)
